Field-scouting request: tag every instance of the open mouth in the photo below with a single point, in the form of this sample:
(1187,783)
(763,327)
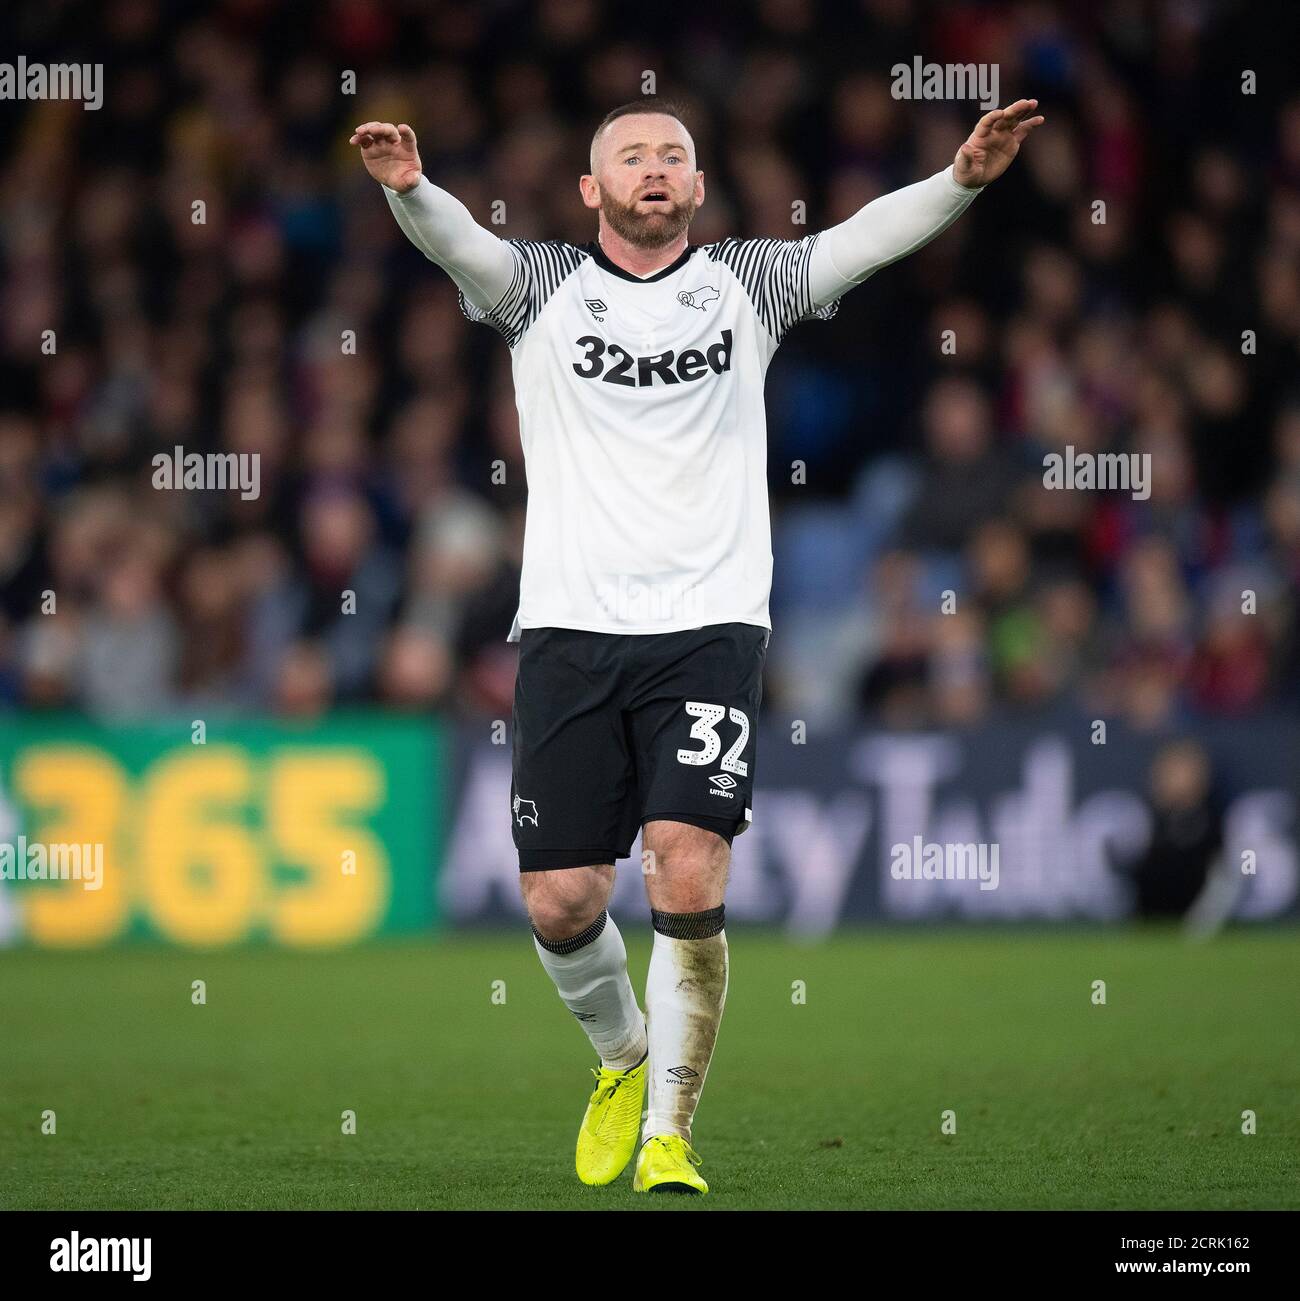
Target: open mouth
(655,196)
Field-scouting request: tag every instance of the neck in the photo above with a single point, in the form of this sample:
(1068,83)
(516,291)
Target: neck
(639,261)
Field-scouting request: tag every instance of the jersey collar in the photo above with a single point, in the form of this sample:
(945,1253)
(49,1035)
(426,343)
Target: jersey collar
(601,260)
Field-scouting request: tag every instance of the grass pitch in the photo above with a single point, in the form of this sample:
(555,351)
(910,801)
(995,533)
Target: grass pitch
(837,1102)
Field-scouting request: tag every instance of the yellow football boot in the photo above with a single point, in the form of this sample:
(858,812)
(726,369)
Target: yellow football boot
(665,1166)
(609,1130)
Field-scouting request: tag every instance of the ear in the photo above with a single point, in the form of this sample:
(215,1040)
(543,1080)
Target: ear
(589,188)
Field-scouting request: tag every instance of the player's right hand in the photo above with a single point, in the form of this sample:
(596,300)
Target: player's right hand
(389,154)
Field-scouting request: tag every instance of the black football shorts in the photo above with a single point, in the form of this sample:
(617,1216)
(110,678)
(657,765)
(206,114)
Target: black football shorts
(613,730)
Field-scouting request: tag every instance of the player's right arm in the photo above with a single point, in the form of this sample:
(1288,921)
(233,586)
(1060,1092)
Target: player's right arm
(436,222)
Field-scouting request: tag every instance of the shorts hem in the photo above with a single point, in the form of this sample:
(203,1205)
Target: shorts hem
(728,829)
(551,860)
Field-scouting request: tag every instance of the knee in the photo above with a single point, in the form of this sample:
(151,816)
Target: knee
(687,867)
(565,902)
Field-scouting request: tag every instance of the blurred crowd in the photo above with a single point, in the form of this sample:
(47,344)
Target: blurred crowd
(201,246)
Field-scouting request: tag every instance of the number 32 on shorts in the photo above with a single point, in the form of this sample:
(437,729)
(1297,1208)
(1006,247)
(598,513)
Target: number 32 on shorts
(705,728)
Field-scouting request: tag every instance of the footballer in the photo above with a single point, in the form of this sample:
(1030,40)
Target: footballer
(639,362)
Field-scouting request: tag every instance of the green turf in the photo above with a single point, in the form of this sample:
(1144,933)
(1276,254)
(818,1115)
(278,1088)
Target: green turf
(463,1103)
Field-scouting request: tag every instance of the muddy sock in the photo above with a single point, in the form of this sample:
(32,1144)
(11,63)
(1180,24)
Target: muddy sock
(685,992)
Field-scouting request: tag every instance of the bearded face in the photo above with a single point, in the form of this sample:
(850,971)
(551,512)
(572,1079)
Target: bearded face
(648,187)
(651,220)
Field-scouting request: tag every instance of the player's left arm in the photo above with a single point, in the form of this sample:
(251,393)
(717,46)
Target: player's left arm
(897,224)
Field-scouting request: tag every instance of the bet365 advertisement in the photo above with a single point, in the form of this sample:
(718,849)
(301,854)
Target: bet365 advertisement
(212,835)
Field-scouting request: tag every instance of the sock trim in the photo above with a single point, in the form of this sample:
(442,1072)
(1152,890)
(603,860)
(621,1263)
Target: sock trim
(689,926)
(574,942)
(644,1057)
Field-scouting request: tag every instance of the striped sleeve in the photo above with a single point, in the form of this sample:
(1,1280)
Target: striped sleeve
(540,268)
(774,273)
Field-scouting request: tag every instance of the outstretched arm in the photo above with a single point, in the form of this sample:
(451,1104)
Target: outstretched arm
(897,224)
(436,222)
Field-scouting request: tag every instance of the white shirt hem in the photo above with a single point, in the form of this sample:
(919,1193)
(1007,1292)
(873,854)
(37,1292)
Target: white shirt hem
(640,631)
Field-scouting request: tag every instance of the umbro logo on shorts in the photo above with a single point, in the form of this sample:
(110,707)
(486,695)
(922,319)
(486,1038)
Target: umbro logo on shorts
(724,783)
(525,811)
(613,364)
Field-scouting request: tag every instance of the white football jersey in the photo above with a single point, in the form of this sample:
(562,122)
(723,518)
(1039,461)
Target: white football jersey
(644,429)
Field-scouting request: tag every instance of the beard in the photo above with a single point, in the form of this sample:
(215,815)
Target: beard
(652,229)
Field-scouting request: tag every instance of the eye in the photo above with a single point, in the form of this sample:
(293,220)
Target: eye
(632,159)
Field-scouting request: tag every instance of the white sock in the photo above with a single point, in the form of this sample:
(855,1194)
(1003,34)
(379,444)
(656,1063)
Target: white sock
(685,993)
(590,972)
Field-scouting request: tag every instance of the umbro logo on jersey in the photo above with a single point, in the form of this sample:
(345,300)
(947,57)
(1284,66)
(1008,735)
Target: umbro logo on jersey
(698,297)
(613,364)
(597,306)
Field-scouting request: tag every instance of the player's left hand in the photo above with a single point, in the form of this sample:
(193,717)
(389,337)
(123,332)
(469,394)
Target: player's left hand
(995,141)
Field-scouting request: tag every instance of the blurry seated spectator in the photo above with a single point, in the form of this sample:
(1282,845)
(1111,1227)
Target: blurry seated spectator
(303,688)
(127,660)
(1186,832)
(964,478)
(416,669)
(343,597)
